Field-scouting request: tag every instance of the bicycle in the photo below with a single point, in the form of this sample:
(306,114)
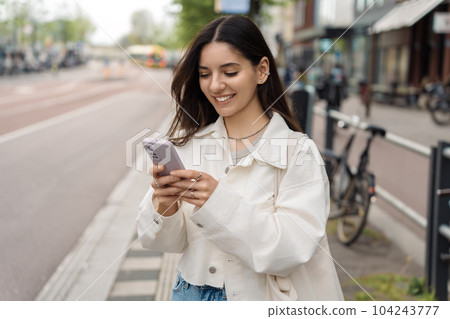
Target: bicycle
(438,103)
(351,191)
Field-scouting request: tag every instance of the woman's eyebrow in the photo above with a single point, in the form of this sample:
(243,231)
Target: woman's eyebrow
(229,64)
(220,67)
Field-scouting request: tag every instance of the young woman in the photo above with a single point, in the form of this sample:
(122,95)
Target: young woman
(249,211)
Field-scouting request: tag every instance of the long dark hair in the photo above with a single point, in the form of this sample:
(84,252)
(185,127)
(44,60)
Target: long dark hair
(243,35)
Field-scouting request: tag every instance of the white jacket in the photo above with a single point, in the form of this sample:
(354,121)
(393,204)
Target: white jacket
(248,228)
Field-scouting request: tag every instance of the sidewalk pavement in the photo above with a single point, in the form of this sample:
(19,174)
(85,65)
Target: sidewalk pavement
(410,122)
(109,264)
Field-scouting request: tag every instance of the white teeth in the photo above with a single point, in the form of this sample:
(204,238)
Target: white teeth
(223,99)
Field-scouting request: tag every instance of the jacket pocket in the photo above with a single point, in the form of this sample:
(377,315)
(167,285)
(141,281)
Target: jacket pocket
(280,288)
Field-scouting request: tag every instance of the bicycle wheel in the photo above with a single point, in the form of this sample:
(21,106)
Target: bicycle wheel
(339,181)
(354,209)
(337,185)
(440,113)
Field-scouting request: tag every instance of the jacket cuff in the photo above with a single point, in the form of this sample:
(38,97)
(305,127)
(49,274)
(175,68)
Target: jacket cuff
(151,221)
(217,210)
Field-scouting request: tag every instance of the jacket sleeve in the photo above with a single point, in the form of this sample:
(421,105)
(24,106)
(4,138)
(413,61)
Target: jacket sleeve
(274,240)
(158,232)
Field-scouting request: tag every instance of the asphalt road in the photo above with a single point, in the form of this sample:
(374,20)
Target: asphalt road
(62,147)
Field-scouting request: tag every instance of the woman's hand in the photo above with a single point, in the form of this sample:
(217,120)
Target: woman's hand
(197,187)
(165,191)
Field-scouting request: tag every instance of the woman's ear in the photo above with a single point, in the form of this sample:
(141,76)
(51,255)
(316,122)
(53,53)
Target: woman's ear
(263,70)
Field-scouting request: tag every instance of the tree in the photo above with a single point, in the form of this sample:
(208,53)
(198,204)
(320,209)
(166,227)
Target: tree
(141,27)
(195,14)
(67,30)
(145,31)
(24,24)
(82,27)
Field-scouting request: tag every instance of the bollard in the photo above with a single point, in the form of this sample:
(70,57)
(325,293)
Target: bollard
(121,68)
(106,69)
(437,268)
(302,101)
(329,129)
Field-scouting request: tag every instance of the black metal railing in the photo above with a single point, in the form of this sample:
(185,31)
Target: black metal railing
(438,218)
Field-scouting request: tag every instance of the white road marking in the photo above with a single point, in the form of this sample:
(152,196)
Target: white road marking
(141,263)
(64,117)
(134,288)
(23,91)
(29,107)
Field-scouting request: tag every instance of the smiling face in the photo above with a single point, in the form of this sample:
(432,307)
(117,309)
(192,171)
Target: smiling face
(229,80)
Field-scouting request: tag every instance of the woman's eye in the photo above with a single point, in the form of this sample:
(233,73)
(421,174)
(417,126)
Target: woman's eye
(204,75)
(231,73)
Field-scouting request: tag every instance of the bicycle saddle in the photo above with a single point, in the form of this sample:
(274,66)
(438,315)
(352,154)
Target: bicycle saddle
(376,130)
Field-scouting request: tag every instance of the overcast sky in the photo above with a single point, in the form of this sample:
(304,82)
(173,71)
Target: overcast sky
(113,16)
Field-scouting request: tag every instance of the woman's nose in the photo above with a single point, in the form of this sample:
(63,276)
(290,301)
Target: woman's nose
(216,84)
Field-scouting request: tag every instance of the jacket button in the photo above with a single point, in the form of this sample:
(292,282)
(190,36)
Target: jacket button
(227,169)
(212,270)
(200,225)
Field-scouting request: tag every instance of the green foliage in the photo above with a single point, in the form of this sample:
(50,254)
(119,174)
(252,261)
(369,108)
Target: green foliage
(392,287)
(331,227)
(145,31)
(416,286)
(370,232)
(66,30)
(195,14)
(418,289)
(141,27)
(20,16)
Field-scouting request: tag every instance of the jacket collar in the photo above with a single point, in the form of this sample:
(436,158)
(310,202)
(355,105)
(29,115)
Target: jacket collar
(216,129)
(271,148)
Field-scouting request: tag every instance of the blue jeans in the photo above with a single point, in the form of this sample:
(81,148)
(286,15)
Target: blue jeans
(184,291)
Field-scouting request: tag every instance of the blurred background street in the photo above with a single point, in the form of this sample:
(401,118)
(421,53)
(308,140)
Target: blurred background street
(63,151)
(83,81)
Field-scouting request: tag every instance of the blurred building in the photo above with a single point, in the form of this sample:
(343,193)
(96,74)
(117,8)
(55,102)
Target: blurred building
(317,25)
(367,12)
(304,29)
(391,44)
(408,47)
(279,32)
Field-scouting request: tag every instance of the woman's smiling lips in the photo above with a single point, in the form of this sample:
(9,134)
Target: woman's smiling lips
(223,98)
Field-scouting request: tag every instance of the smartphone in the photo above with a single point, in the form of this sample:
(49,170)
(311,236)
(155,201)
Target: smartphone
(163,152)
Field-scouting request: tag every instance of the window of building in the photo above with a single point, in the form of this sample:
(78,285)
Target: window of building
(360,5)
(403,60)
(300,9)
(327,12)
